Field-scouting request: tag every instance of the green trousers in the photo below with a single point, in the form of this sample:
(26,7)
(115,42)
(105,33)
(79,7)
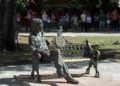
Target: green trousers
(53,55)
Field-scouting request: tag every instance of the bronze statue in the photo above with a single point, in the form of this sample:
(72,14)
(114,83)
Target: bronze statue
(93,55)
(41,52)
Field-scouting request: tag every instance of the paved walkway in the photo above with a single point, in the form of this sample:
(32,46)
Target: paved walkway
(79,34)
(109,71)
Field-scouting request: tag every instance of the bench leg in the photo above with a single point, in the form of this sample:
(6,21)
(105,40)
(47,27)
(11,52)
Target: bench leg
(97,74)
(88,69)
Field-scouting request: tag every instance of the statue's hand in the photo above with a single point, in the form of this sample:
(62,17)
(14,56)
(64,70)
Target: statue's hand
(48,43)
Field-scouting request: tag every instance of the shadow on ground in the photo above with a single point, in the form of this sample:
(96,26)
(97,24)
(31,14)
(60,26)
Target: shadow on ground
(8,82)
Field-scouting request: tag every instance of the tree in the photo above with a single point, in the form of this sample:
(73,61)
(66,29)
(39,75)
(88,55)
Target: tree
(7,25)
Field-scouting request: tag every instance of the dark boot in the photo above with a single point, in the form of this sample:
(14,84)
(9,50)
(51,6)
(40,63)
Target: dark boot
(71,80)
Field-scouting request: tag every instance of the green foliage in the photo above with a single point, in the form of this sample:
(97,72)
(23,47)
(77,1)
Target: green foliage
(39,5)
(21,7)
(19,4)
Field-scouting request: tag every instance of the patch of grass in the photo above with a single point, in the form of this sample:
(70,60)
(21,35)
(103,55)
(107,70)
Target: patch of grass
(106,44)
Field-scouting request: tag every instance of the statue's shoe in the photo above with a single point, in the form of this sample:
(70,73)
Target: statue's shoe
(71,80)
(38,80)
(87,73)
(96,76)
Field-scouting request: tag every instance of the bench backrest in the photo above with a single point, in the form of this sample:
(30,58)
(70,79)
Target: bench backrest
(68,50)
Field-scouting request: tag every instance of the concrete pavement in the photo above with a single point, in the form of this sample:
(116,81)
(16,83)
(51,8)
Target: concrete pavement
(109,74)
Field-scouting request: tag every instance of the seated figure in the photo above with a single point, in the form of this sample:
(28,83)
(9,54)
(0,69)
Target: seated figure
(41,52)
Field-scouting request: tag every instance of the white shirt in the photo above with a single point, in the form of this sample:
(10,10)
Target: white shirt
(83,17)
(88,19)
(45,17)
(74,19)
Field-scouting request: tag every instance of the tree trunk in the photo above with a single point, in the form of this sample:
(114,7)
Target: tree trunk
(7,23)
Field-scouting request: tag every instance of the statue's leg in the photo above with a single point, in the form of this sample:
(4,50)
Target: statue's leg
(38,76)
(89,66)
(62,67)
(32,74)
(97,74)
(58,64)
(37,57)
(33,68)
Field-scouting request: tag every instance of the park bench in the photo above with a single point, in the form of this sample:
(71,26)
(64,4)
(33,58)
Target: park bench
(68,51)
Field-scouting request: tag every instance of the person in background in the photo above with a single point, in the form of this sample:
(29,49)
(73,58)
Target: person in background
(83,21)
(115,18)
(101,21)
(108,20)
(18,21)
(74,22)
(45,19)
(18,29)
(30,16)
(96,22)
(53,20)
(88,22)
(66,21)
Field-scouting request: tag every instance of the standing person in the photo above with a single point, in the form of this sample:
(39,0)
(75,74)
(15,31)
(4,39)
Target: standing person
(45,19)
(74,22)
(28,22)
(53,17)
(101,21)
(88,22)
(66,21)
(41,52)
(83,21)
(115,18)
(18,29)
(30,16)
(96,22)
(108,21)
(53,23)
(18,21)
